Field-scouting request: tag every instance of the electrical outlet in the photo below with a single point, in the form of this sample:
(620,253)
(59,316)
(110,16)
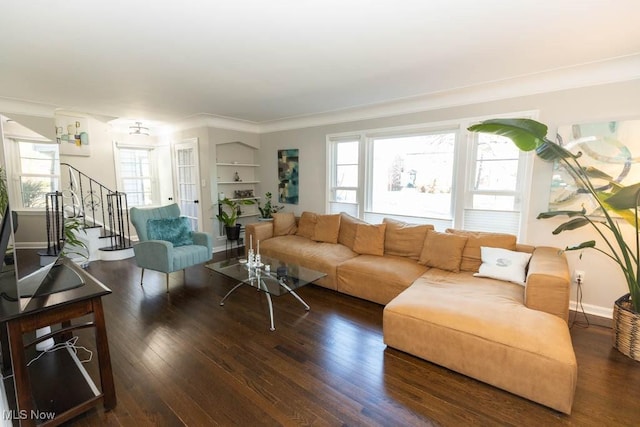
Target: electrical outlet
(578,275)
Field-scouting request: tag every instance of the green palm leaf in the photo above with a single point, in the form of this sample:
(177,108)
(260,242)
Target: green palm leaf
(624,198)
(583,245)
(551,214)
(551,151)
(525,133)
(571,225)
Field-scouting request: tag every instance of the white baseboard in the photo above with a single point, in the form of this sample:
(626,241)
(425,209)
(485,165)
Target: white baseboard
(606,312)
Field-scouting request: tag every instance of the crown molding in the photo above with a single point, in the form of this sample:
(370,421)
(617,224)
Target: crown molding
(15,106)
(592,74)
(220,122)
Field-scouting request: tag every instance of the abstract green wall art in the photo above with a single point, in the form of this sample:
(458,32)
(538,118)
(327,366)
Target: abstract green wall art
(288,176)
(612,147)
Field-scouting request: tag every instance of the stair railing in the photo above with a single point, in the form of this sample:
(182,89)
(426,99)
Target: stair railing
(95,205)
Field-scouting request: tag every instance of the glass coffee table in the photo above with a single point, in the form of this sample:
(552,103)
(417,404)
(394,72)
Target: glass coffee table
(283,278)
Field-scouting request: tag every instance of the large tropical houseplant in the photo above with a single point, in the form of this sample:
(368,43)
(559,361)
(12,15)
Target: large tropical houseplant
(613,201)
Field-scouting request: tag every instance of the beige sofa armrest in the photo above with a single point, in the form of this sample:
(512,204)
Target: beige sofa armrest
(258,231)
(548,282)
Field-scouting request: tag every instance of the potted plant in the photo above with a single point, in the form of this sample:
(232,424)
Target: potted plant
(228,212)
(72,243)
(615,199)
(267,211)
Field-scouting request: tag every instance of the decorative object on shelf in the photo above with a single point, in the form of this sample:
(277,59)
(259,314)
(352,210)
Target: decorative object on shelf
(288,173)
(229,216)
(236,177)
(267,211)
(612,199)
(607,146)
(243,194)
(138,129)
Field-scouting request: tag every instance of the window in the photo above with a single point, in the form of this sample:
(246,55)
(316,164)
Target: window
(38,172)
(136,175)
(412,175)
(344,175)
(493,200)
(433,173)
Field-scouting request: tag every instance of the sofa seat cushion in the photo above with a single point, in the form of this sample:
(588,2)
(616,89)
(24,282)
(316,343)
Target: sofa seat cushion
(319,256)
(481,328)
(377,279)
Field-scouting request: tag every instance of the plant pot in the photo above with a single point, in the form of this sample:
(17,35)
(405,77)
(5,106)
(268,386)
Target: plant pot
(233,231)
(626,328)
(265,219)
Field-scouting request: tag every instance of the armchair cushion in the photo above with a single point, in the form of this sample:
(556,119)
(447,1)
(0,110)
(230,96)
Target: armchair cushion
(175,230)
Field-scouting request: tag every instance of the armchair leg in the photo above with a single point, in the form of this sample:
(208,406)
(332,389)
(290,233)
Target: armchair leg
(167,282)
(141,276)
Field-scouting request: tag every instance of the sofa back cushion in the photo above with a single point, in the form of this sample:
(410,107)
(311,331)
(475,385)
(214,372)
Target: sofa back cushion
(307,225)
(404,239)
(471,256)
(369,239)
(327,228)
(348,227)
(443,251)
(284,224)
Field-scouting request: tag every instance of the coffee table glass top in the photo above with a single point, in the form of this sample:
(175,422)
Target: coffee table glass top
(296,276)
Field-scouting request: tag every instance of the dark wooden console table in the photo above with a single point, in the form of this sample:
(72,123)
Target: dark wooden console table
(68,308)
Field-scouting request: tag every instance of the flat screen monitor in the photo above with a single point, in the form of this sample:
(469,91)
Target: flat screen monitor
(45,280)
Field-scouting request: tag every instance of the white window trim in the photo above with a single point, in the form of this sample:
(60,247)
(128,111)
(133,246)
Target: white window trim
(463,155)
(13,170)
(332,169)
(155,190)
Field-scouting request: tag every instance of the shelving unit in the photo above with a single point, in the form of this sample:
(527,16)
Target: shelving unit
(232,158)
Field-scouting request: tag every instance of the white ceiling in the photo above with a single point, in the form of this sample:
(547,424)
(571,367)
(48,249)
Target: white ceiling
(263,61)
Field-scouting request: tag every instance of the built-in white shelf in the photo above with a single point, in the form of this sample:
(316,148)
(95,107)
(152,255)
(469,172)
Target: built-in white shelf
(244,198)
(248,165)
(238,182)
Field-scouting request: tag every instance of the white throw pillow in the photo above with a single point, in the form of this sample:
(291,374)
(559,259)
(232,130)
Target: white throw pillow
(503,264)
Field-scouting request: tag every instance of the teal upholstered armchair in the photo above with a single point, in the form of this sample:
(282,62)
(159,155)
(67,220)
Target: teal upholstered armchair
(166,242)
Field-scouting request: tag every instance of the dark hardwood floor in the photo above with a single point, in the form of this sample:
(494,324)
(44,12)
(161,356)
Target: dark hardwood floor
(181,359)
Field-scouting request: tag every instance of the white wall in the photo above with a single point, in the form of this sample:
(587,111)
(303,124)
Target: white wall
(618,101)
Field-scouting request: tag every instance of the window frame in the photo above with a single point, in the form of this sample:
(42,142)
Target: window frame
(14,172)
(400,133)
(464,165)
(151,150)
(332,171)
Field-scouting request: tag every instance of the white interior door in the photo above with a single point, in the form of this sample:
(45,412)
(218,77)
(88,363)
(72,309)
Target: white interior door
(187,181)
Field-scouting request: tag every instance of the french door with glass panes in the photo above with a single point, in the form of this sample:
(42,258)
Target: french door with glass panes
(187,181)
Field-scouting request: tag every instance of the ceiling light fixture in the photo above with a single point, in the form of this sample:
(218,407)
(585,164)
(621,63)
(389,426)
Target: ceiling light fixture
(138,129)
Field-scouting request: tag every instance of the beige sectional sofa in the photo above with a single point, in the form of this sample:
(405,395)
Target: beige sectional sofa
(511,335)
